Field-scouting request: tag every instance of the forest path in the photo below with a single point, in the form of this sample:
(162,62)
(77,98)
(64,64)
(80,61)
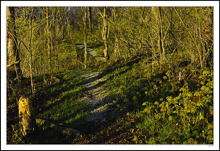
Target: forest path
(92,52)
(96,97)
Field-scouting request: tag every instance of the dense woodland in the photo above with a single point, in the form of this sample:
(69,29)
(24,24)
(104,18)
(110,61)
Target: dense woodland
(157,62)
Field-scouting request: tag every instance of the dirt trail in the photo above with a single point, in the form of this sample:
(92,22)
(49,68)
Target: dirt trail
(93,53)
(97,97)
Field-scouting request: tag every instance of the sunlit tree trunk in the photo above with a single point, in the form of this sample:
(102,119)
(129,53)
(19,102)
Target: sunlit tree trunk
(158,16)
(48,36)
(90,18)
(105,33)
(85,35)
(116,49)
(30,49)
(57,33)
(53,36)
(13,60)
(161,35)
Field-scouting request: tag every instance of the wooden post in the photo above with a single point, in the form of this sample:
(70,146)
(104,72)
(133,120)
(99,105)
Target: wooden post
(27,121)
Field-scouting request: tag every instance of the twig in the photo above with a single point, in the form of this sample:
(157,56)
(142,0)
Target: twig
(14,63)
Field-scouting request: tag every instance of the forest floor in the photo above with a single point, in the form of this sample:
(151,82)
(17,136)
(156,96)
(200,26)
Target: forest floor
(121,102)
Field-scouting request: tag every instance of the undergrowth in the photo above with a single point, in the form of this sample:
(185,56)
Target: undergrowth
(154,105)
(169,110)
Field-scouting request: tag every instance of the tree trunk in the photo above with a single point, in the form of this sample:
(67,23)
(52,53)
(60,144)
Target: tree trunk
(53,36)
(105,33)
(116,49)
(13,60)
(85,36)
(57,34)
(158,16)
(48,38)
(90,18)
(161,36)
(30,49)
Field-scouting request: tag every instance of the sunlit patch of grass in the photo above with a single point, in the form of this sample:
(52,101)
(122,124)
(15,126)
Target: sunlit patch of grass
(69,113)
(62,106)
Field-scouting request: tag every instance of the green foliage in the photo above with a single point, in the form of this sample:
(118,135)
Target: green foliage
(170,111)
(181,114)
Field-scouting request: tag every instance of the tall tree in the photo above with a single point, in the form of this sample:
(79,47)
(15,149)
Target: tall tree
(49,41)
(116,49)
(13,61)
(158,16)
(105,30)
(30,48)
(85,34)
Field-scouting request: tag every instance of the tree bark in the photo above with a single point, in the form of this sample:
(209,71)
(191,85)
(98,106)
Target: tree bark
(161,36)
(53,36)
(105,33)
(157,13)
(48,38)
(30,49)
(116,49)
(90,18)
(85,35)
(26,114)
(12,50)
